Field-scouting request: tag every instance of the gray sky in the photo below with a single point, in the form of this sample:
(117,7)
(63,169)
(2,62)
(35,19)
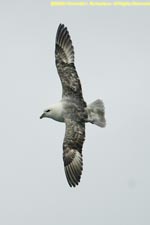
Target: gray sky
(112,52)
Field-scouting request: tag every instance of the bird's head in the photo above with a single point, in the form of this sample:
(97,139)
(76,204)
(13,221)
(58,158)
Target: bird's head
(47,113)
(54,112)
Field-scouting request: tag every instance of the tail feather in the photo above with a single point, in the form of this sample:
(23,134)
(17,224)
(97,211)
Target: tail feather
(96,113)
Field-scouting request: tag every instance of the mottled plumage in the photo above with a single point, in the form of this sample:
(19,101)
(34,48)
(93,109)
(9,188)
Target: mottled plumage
(72,147)
(64,54)
(72,109)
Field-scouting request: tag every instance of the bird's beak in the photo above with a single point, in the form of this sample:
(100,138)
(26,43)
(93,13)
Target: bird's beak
(43,115)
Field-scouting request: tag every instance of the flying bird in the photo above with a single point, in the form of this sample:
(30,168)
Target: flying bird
(72,109)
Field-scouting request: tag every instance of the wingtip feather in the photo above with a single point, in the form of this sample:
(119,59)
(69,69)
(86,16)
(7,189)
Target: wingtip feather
(73,170)
(63,40)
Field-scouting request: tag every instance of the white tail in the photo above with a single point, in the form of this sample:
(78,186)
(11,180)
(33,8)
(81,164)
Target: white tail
(96,113)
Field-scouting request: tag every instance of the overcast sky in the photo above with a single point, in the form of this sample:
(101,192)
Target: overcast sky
(112,56)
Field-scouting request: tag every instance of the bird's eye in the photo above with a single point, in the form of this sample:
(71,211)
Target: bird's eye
(47,110)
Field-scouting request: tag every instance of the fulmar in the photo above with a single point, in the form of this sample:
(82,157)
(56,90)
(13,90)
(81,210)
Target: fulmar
(72,109)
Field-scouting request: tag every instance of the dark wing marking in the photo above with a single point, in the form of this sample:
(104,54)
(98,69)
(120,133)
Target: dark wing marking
(72,151)
(64,53)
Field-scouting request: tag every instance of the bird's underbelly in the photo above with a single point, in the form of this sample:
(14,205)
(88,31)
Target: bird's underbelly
(68,109)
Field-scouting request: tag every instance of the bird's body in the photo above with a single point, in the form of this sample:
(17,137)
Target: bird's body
(72,109)
(59,111)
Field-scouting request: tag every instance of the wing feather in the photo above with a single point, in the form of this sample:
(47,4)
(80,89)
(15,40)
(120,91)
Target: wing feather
(64,54)
(72,151)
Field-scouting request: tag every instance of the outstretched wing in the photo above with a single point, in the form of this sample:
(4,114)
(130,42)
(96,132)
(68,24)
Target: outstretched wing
(72,151)
(64,53)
